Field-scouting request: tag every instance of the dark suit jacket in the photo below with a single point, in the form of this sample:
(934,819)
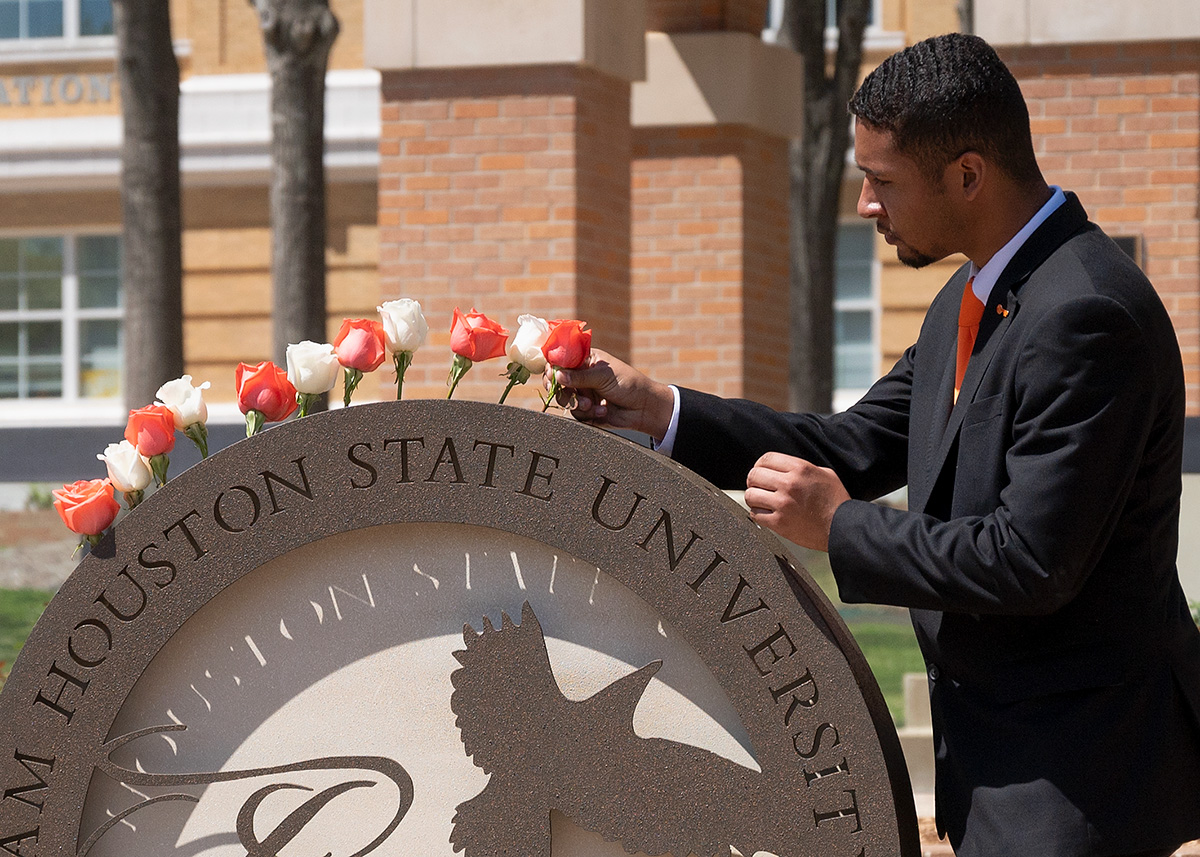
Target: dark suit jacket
(1038,552)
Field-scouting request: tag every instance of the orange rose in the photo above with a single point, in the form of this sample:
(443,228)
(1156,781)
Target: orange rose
(360,344)
(151,430)
(265,388)
(568,344)
(87,507)
(476,337)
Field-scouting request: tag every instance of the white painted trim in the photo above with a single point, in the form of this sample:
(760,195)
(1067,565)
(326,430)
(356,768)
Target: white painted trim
(224,129)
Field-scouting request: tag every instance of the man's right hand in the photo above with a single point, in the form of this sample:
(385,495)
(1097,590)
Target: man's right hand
(609,392)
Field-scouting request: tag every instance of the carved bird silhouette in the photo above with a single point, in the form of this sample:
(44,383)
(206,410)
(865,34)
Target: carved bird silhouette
(544,751)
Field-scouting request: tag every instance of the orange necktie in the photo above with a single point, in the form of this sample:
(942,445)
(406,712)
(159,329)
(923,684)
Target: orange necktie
(970,312)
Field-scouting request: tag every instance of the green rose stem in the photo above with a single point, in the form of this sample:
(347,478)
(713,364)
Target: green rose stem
(158,466)
(402,359)
(198,434)
(254,422)
(306,401)
(457,369)
(132,498)
(552,391)
(517,374)
(353,376)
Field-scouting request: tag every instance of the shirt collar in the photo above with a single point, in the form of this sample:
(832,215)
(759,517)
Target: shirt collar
(986,277)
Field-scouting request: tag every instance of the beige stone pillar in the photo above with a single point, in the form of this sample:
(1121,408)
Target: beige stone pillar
(710,187)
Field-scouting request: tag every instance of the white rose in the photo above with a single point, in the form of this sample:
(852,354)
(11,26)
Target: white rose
(404,325)
(185,401)
(526,346)
(312,367)
(127,468)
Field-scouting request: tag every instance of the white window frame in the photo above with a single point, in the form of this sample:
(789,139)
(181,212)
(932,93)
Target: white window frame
(71,408)
(69,46)
(844,397)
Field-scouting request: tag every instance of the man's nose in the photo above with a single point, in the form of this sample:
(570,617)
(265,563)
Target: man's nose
(868,205)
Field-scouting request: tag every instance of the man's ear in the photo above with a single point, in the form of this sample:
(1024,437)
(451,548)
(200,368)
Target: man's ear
(972,171)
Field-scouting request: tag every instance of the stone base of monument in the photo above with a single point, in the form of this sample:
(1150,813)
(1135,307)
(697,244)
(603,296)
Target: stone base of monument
(439,628)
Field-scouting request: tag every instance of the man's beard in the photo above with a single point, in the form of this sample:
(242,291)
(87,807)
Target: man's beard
(914,258)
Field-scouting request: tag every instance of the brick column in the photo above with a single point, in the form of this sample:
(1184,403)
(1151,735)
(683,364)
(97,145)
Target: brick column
(504,172)
(710,230)
(1119,124)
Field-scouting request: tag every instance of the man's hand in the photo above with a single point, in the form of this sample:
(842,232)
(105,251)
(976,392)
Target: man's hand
(794,498)
(606,391)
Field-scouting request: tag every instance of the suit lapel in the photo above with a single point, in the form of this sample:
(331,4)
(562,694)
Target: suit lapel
(1068,219)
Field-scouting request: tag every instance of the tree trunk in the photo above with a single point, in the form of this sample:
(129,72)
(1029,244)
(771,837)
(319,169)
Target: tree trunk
(297,35)
(148,75)
(817,161)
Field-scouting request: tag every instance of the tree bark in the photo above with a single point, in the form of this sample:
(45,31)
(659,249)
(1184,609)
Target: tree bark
(817,161)
(148,76)
(297,36)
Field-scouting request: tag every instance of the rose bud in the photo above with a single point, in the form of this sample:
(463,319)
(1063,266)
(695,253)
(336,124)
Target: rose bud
(404,325)
(360,344)
(185,401)
(187,404)
(361,348)
(476,337)
(313,369)
(526,347)
(151,430)
(568,344)
(473,337)
(87,507)
(264,394)
(128,469)
(525,351)
(404,331)
(567,347)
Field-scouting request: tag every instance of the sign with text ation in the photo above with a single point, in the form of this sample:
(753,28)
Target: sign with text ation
(437,627)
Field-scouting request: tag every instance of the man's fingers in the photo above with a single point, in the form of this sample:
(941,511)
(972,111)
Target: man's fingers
(762,499)
(780,462)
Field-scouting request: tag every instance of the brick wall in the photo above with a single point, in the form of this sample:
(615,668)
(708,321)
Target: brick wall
(1120,126)
(507,189)
(227,275)
(710,259)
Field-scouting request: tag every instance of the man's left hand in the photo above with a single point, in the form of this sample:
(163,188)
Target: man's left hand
(794,498)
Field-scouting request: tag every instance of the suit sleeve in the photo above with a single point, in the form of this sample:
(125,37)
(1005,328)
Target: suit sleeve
(867,445)
(1086,391)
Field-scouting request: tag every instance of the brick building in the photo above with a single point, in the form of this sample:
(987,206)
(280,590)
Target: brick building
(622,161)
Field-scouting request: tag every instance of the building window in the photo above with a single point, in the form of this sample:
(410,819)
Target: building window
(55,19)
(60,317)
(855,313)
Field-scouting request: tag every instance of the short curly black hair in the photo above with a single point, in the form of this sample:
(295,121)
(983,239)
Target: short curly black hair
(948,95)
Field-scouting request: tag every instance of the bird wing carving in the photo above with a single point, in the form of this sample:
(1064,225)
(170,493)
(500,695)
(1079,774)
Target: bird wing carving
(584,759)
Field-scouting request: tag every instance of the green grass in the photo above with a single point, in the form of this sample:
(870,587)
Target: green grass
(19,609)
(891,650)
(884,634)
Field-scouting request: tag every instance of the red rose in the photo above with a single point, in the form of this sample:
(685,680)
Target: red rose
(476,337)
(151,430)
(568,344)
(265,388)
(360,344)
(87,507)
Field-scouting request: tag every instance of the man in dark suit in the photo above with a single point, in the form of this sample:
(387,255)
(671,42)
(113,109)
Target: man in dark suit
(1038,425)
